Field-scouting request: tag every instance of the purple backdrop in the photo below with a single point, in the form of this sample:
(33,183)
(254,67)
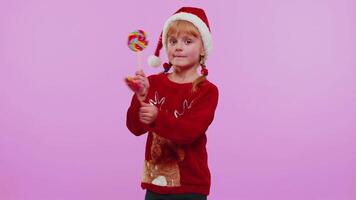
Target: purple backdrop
(284,128)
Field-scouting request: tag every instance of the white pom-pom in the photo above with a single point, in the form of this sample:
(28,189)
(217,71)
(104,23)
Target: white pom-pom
(154,61)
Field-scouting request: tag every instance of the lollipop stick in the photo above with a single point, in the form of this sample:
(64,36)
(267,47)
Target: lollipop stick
(139,64)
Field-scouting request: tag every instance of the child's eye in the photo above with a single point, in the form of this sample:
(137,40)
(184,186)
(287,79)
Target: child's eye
(188,41)
(172,41)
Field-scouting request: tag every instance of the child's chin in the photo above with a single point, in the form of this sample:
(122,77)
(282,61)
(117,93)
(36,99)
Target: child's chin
(182,64)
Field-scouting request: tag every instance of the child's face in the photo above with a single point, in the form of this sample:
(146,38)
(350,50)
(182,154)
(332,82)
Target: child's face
(184,50)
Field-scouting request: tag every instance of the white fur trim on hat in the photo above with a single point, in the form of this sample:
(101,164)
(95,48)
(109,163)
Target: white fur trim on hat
(202,27)
(154,61)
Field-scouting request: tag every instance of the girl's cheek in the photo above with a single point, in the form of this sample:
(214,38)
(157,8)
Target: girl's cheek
(170,53)
(191,52)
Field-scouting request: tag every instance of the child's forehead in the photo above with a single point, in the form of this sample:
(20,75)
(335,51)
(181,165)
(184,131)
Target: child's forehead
(182,35)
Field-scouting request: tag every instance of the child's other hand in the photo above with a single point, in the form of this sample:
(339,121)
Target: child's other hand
(147,113)
(139,84)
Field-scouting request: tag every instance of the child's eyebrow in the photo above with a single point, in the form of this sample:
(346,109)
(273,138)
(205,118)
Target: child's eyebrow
(184,37)
(187,35)
(190,37)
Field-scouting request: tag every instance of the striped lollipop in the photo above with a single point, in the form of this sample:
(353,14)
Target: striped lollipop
(137,40)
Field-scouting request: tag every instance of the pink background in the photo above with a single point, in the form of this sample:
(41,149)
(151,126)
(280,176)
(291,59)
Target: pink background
(284,128)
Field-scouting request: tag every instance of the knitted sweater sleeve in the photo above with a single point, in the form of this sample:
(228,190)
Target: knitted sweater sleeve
(195,121)
(133,122)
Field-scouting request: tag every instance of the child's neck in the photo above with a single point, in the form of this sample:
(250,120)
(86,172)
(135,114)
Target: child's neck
(184,75)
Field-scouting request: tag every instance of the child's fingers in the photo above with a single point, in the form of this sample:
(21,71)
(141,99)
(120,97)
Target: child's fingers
(146,114)
(145,110)
(141,81)
(137,84)
(140,73)
(145,120)
(137,78)
(134,86)
(144,105)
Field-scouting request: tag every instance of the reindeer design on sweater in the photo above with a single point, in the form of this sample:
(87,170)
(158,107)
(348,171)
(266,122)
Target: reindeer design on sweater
(163,168)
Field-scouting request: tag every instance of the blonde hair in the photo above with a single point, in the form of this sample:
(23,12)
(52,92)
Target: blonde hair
(182,26)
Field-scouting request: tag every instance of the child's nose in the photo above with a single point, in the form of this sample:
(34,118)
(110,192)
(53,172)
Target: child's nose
(178,46)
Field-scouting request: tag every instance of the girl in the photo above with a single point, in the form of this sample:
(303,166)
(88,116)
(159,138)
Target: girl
(176,109)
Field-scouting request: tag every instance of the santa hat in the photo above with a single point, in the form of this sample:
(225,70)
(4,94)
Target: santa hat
(194,15)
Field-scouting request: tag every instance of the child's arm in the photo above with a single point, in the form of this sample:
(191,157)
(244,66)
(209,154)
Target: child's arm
(132,119)
(187,128)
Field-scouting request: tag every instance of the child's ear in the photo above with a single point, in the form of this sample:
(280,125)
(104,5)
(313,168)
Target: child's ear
(201,60)
(202,52)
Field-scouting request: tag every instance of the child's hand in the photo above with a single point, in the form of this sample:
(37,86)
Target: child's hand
(147,113)
(139,84)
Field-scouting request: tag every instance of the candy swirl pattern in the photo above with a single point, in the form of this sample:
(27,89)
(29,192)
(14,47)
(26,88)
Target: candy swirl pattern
(137,40)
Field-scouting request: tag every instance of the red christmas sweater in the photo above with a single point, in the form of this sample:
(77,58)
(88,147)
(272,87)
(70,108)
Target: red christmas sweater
(176,159)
